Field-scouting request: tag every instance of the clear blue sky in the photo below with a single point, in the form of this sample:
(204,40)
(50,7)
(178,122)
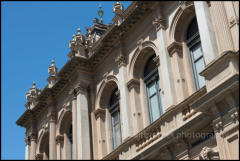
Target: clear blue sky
(32,34)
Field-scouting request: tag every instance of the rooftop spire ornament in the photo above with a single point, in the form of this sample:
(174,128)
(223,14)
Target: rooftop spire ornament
(100,13)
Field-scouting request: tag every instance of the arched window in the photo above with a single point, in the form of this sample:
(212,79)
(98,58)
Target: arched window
(70,142)
(115,119)
(153,89)
(196,54)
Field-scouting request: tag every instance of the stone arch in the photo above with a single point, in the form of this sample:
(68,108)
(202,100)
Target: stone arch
(140,58)
(104,92)
(64,121)
(43,144)
(181,20)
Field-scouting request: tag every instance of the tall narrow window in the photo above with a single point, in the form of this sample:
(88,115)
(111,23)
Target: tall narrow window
(115,119)
(70,142)
(153,89)
(196,54)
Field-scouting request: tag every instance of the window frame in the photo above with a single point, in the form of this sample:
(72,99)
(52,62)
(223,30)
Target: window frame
(191,43)
(153,77)
(112,109)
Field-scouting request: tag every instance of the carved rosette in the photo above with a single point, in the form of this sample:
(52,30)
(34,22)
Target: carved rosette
(121,60)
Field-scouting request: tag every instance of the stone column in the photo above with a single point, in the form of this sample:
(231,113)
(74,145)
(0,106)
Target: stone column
(222,29)
(33,146)
(100,115)
(175,51)
(126,121)
(134,89)
(74,126)
(168,92)
(52,134)
(27,148)
(207,35)
(83,129)
(59,141)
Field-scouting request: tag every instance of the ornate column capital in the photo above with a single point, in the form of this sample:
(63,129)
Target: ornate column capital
(39,156)
(160,23)
(217,124)
(51,116)
(133,83)
(175,47)
(208,154)
(81,86)
(59,139)
(121,60)
(27,140)
(33,136)
(100,113)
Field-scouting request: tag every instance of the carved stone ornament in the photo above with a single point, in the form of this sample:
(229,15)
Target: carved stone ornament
(217,124)
(52,79)
(140,44)
(185,4)
(81,86)
(32,95)
(208,154)
(160,23)
(59,139)
(27,140)
(51,116)
(100,113)
(121,60)
(133,83)
(39,156)
(176,48)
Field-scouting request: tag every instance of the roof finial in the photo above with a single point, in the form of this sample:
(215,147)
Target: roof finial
(100,13)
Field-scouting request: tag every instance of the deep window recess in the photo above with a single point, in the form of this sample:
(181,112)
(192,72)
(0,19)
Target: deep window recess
(71,142)
(196,53)
(115,119)
(153,89)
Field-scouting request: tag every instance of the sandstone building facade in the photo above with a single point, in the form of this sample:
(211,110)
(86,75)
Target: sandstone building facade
(161,82)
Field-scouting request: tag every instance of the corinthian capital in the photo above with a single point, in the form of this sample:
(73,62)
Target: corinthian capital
(160,23)
(121,60)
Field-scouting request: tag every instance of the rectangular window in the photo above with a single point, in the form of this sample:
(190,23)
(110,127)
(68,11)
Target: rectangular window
(116,129)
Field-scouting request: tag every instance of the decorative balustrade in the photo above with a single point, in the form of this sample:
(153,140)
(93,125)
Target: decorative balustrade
(154,132)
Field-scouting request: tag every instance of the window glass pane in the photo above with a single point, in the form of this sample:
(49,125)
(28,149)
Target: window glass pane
(152,88)
(199,67)
(154,108)
(117,137)
(115,117)
(197,52)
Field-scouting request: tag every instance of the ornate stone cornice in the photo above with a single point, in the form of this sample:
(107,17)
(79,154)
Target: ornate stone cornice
(133,83)
(175,47)
(121,60)
(100,113)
